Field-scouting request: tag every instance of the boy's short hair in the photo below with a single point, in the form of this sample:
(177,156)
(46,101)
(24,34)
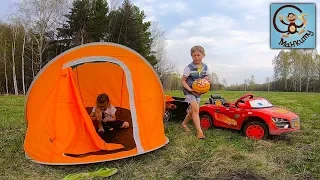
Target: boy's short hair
(102,98)
(197,48)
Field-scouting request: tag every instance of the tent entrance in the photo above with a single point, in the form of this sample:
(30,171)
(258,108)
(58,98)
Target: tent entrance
(96,77)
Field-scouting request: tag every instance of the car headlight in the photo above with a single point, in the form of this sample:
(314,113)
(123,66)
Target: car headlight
(281,122)
(278,120)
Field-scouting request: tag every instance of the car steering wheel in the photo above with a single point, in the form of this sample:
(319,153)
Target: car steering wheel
(242,98)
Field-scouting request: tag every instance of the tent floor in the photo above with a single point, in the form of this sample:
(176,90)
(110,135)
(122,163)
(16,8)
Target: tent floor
(118,136)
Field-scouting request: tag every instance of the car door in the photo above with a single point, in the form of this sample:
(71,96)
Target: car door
(224,117)
(235,114)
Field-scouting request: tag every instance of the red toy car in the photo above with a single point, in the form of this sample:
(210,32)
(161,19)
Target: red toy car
(257,118)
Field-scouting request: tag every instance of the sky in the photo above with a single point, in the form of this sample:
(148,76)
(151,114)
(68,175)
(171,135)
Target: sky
(234,33)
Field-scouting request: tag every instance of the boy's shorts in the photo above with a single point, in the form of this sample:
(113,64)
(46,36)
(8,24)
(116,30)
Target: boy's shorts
(114,124)
(190,98)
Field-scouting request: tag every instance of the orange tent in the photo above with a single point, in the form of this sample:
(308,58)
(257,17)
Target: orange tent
(61,97)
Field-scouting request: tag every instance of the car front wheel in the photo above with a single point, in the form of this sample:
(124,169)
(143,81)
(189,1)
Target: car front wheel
(256,130)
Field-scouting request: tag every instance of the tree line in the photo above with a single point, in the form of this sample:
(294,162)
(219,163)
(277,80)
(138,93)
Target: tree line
(172,81)
(295,70)
(41,30)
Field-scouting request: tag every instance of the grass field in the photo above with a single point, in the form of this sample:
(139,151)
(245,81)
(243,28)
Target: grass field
(224,154)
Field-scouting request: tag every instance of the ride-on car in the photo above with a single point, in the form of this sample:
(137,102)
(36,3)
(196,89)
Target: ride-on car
(176,108)
(256,117)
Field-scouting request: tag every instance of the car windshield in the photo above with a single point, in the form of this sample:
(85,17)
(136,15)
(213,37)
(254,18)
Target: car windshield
(260,103)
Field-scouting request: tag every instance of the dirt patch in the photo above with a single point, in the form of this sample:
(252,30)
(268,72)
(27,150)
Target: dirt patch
(239,175)
(285,138)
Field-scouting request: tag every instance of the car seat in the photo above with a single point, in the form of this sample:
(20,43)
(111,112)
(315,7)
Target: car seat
(215,97)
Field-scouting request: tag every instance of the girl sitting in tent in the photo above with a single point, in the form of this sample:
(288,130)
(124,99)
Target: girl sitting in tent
(105,114)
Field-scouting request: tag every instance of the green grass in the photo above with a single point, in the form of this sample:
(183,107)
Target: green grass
(223,154)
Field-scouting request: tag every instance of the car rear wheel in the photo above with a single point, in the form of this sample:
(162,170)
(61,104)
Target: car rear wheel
(256,130)
(206,122)
(167,116)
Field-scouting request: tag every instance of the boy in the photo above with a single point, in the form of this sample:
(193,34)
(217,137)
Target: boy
(195,70)
(105,114)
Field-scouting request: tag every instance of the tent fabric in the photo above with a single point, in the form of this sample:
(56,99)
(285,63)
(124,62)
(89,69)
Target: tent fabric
(90,89)
(58,122)
(112,89)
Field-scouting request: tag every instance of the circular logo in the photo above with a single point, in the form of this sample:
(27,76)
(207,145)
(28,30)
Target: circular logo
(289,20)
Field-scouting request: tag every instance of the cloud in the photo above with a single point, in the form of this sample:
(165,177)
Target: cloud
(179,33)
(149,12)
(231,53)
(215,23)
(161,8)
(188,23)
(249,17)
(150,18)
(173,7)
(236,37)
(149,1)
(148,9)
(205,25)
(258,7)
(234,73)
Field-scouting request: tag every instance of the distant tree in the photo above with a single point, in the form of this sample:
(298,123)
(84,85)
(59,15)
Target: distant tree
(98,20)
(252,82)
(224,82)
(246,84)
(309,67)
(268,80)
(75,30)
(214,81)
(5,40)
(296,69)
(14,35)
(42,16)
(86,22)
(158,48)
(317,62)
(282,67)
(129,28)
(42,29)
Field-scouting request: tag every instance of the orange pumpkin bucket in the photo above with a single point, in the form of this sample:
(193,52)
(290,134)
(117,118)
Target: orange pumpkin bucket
(201,86)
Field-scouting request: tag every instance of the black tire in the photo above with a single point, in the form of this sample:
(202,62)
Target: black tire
(256,130)
(167,116)
(206,122)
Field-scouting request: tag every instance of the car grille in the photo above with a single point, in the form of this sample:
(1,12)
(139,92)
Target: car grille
(295,123)
(282,124)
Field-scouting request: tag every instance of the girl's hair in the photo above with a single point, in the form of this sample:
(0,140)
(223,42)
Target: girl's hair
(102,98)
(197,48)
